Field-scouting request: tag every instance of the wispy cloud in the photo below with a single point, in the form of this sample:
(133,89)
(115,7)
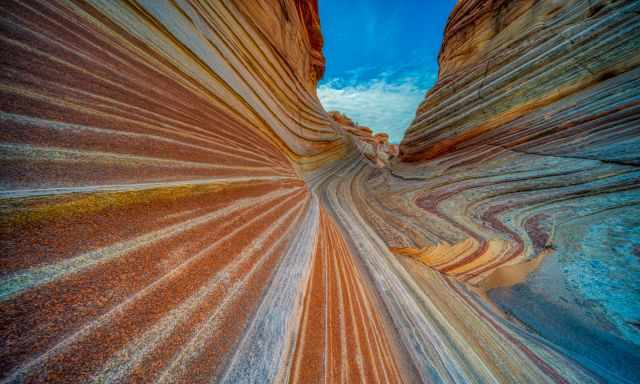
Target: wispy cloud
(385,103)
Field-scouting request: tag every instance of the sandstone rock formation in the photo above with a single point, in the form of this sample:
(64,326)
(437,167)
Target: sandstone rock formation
(375,148)
(534,138)
(177,207)
(513,71)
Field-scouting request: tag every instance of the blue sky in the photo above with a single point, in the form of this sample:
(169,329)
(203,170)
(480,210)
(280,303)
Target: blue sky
(381,58)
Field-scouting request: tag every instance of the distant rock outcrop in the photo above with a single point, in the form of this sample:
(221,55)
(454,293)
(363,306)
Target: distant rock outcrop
(177,207)
(374,147)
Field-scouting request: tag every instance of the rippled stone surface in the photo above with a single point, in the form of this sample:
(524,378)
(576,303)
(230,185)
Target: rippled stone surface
(521,171)
(177,207)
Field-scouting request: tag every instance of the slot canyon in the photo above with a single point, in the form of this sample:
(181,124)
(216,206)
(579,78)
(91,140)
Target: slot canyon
(178,207)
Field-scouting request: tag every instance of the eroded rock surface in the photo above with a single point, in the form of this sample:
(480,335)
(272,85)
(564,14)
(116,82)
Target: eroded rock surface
(177,207)
(524,157)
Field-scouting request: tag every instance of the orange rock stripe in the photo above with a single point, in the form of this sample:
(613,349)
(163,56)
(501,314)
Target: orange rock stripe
(198,260)
(341,338)
(209,347)
(372,322)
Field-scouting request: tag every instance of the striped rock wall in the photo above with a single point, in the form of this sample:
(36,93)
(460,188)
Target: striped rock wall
(511,73)
(177,207)
(449,331)
(520,171)
(155,226)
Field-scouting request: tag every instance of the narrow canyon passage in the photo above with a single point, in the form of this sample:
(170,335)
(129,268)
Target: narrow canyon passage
(177,206)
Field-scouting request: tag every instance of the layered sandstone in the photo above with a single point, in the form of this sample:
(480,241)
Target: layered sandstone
(523,157)
(153,212)
(512,72)
(375,148)
(177,207)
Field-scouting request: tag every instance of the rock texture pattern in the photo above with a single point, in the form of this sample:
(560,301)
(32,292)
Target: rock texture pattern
(177,207)
(524,157)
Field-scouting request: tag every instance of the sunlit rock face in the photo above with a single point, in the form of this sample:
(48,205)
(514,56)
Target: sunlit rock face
(513,73)
(523,158)
(153,216)
(177,207)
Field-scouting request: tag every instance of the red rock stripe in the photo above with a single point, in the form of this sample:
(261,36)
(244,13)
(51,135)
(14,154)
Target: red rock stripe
(21,129)
(51,237)
(106,65)
(203,357)
(81,298)
(56,52)
(342,339)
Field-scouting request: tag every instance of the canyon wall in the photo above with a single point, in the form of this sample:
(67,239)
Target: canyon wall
(524,157)
(178,207)
(511,73)
(153,214)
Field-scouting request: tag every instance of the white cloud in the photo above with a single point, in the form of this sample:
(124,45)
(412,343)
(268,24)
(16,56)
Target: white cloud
(383,104)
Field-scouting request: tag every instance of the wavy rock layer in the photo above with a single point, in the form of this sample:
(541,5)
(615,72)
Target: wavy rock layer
(177,207)
(153,216)
(513,72)
(448,330)
(524,157)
